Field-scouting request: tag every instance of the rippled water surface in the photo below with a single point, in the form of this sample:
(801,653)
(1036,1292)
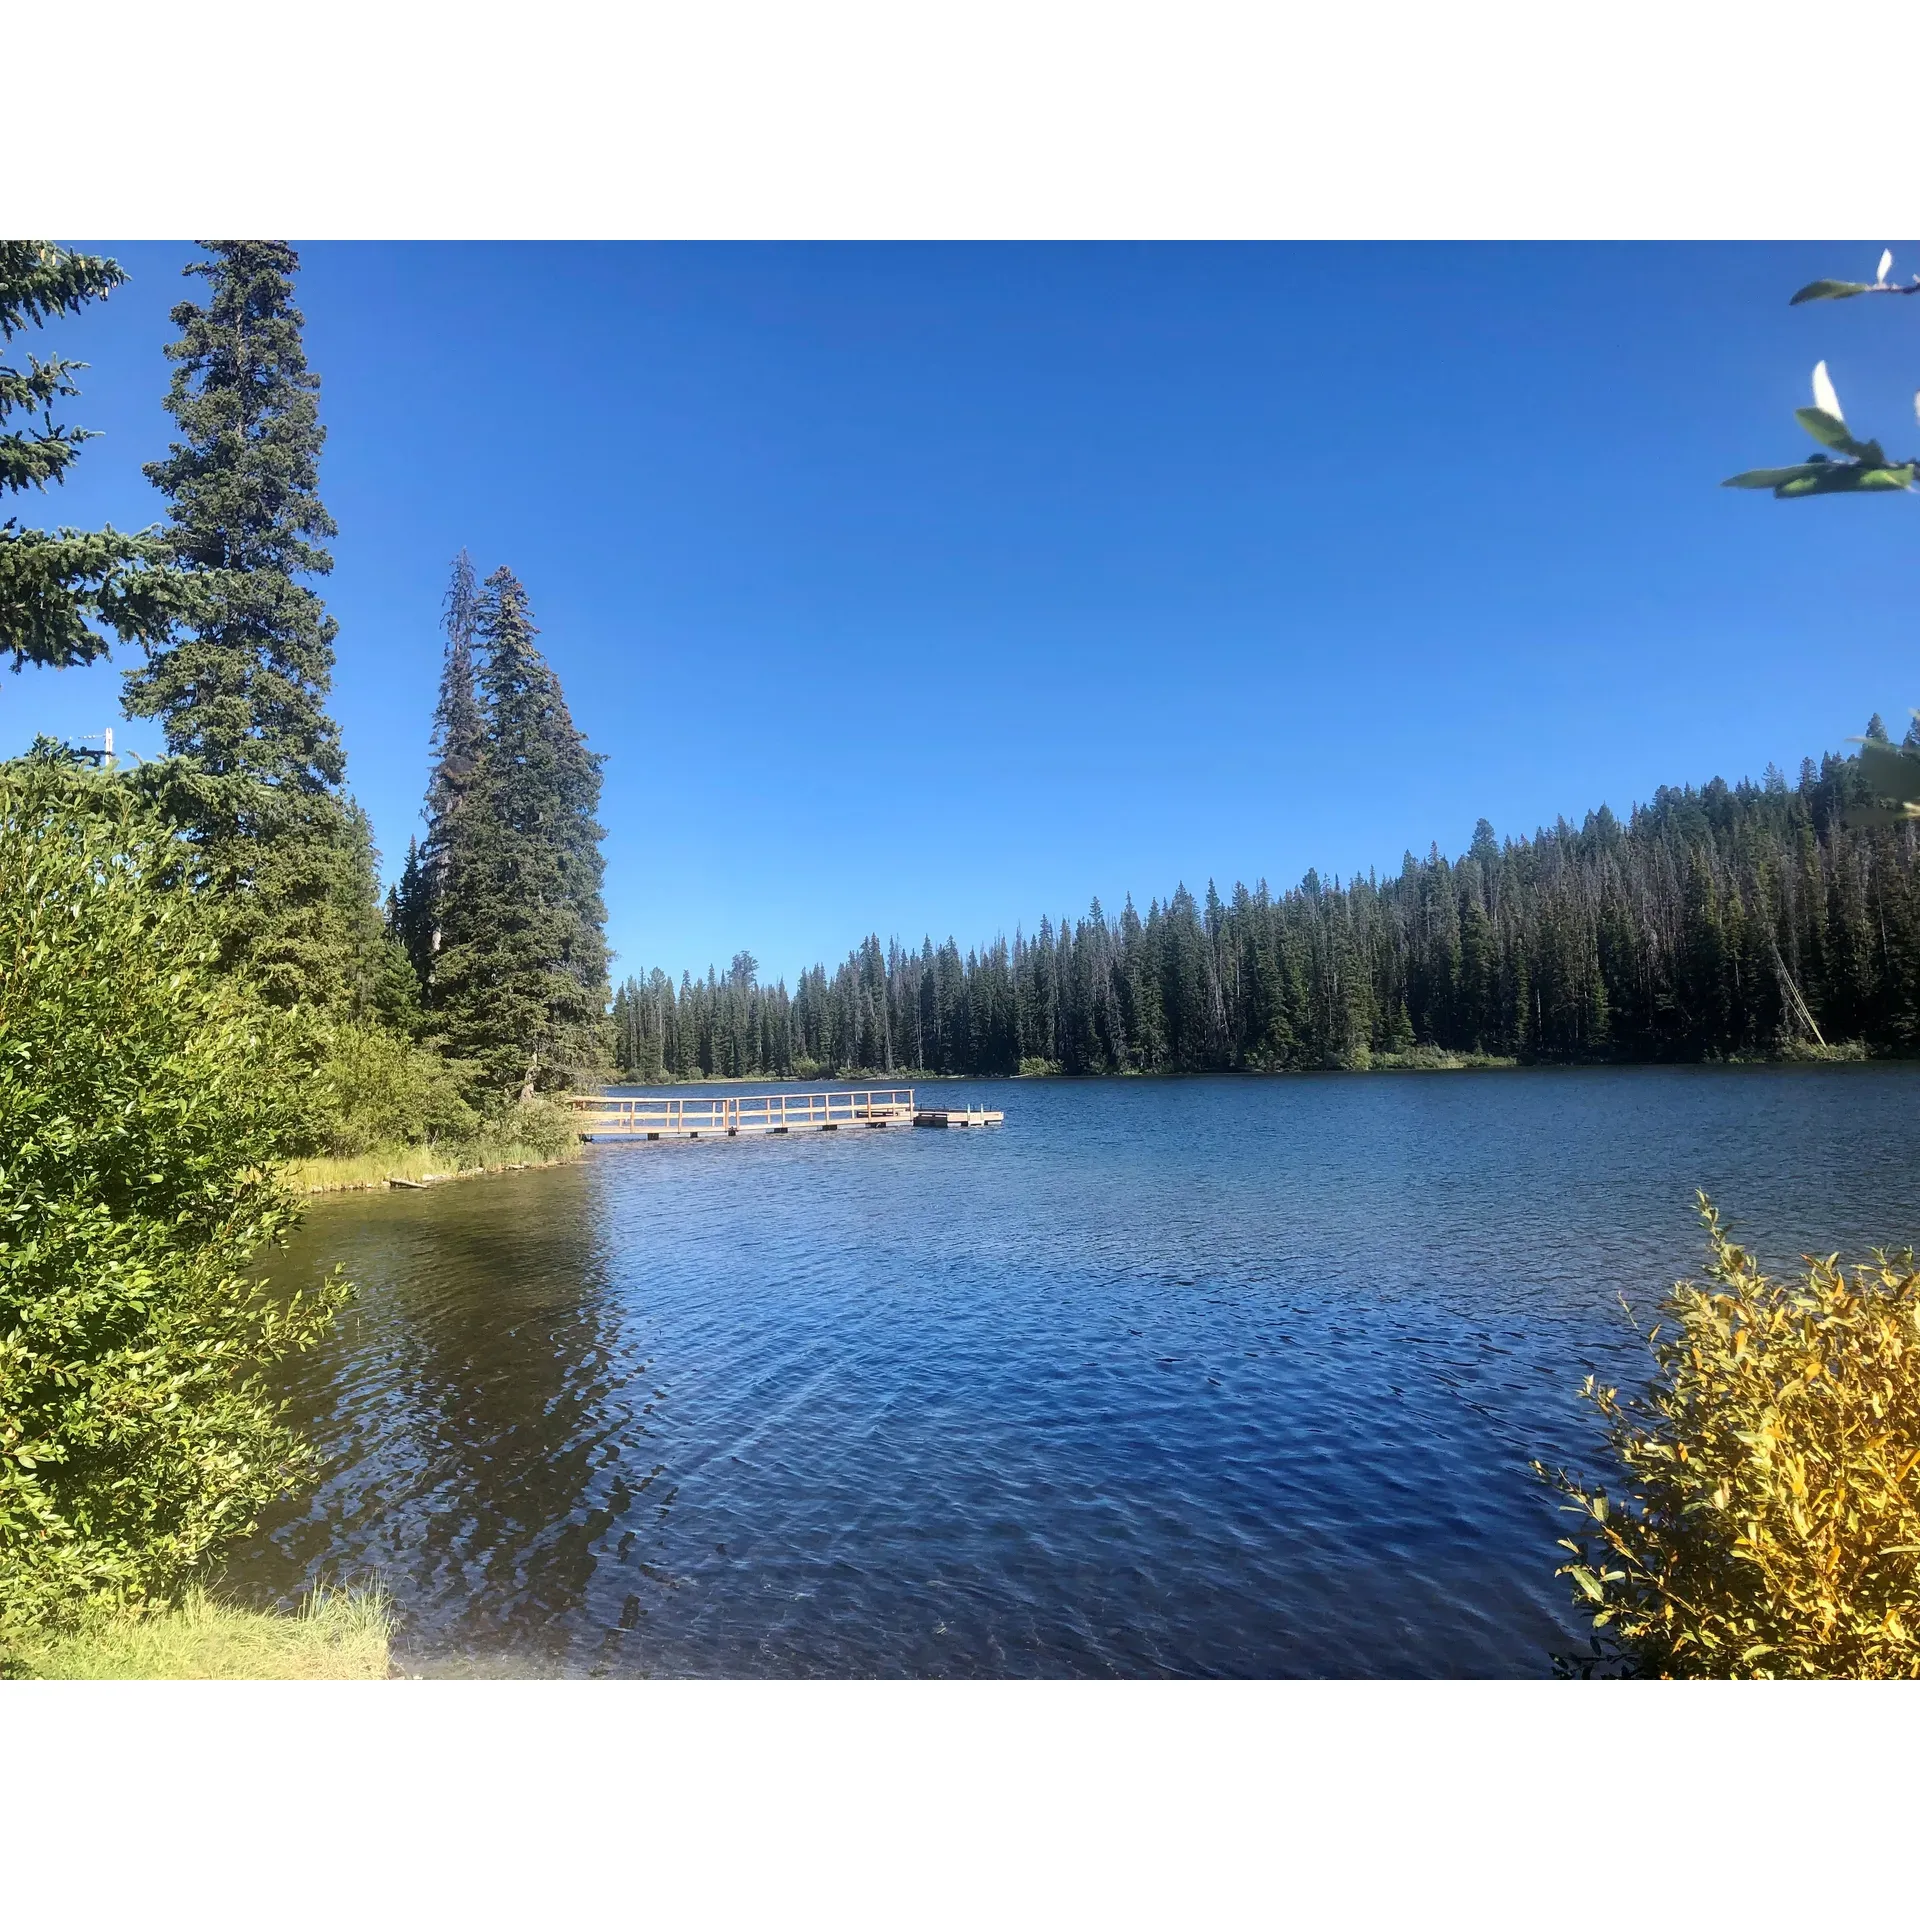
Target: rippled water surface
(1224,1376)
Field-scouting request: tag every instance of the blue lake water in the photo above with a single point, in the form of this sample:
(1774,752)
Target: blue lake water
(1216,1376)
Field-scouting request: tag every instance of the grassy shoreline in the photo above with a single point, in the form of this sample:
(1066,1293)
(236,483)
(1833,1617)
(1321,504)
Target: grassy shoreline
(334,1634)
(412,1167)
(409,1166)
(1419,1059)
(1428,1060)
(422,1166)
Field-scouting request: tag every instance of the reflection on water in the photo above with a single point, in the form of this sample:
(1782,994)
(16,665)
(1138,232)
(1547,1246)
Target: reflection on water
(1223,1376)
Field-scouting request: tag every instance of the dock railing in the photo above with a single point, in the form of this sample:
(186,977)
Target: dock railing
(688,1117)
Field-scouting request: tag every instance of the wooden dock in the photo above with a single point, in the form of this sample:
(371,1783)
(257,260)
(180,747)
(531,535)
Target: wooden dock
(727,1116)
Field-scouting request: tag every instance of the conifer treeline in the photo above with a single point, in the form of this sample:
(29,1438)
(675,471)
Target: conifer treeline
(1713,922)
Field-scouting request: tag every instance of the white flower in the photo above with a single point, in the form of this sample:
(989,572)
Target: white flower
(1886,260)
(1824,396)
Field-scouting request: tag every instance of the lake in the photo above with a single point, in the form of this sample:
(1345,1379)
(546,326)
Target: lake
(1228,1376)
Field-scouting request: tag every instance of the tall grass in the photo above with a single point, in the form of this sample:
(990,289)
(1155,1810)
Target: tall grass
(337,1633)
(331,1172)
(537,1140)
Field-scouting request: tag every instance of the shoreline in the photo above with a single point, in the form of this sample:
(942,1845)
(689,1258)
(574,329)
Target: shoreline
(1421,1060)
(404,1168)
(332,1633)
(414,1168)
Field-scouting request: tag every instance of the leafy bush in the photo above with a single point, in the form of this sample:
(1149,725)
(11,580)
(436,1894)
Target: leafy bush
(377,1087)
(541,1129)
(1768,1524)
(144,1100)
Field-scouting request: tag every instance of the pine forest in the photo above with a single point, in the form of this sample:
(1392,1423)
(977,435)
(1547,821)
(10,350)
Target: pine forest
(1715,923)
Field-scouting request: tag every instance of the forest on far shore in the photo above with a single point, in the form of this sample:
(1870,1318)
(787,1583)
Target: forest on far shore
(1717,922)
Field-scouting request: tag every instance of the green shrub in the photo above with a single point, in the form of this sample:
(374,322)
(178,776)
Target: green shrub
(541,1129)
(1767,1523)
(376,1087)
(144,1100)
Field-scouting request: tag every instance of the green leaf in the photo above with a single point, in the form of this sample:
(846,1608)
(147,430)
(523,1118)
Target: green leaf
(1770,476)
(1829,430)
(1829,290)
(1847,477)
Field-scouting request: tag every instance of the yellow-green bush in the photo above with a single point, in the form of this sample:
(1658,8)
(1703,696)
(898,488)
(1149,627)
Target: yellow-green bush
(545,1128)
(375,1091)
(377,1087)
(1766,1524)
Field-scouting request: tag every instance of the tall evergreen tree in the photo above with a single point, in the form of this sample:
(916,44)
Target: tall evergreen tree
(459,740)
(246,692)
(53,584)
(257,774)
(520,978)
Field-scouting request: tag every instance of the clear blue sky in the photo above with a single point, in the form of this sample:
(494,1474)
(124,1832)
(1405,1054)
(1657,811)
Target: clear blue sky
(930,589)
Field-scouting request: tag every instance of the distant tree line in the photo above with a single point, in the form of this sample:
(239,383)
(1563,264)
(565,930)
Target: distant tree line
(1714,922)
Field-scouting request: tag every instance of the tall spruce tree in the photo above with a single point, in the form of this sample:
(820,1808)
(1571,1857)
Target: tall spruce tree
(459,742)
(53,584)
(520,976)
(256,778)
